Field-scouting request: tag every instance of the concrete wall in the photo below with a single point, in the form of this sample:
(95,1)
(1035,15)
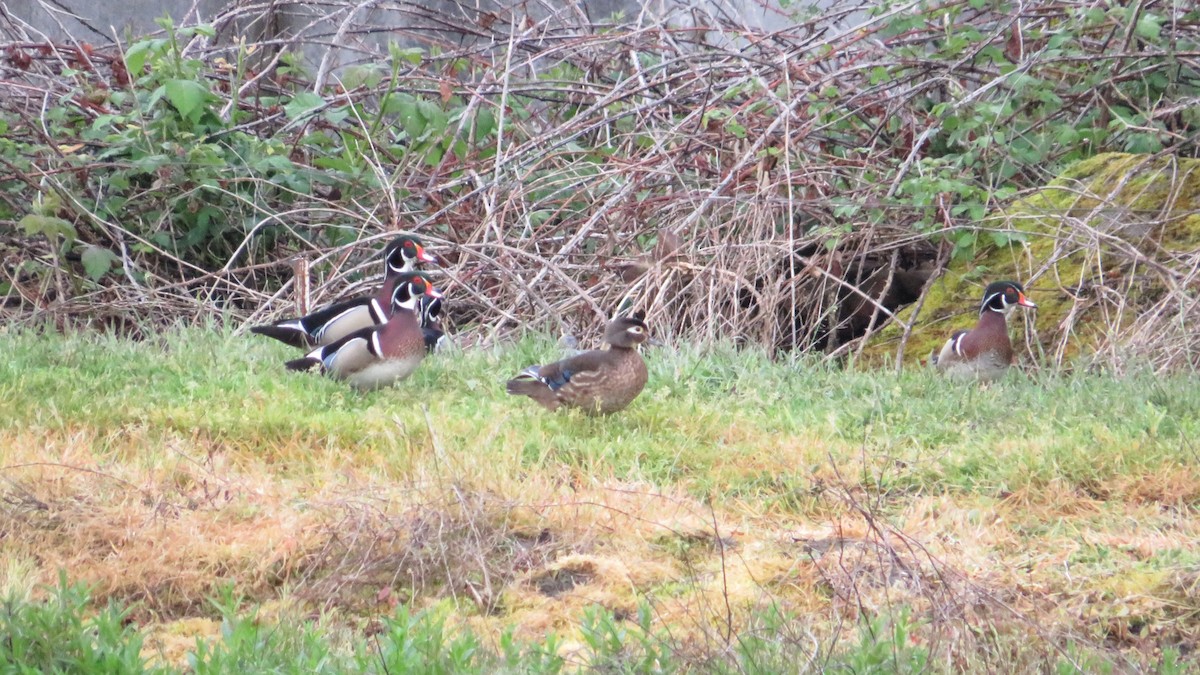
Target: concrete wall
(98,20)
(358,31)
(95,21)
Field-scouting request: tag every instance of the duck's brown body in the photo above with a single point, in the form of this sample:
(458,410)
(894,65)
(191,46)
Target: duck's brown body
(333,323)
(599,382)
(985,352)
(380,355)
(596,382)
(374,357)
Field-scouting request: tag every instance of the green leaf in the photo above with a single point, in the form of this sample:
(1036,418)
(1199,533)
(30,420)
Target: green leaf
(151,163)
(302,103)
(97,261)
(272,164)
(392,103)
(202,29)
(410,118)
(1149,26)
(187,96)
(135,57)
(433,155)
(50,226)
(485,123)
(1142,143)
(338,115)
(339,235)
(154,97)
(369,75)
(413,55)
(435,117)
(46,203)
(335,163)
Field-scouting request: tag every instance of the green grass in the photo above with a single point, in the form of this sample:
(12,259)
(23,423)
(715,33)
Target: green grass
(56,636)
(704,420)
(164,472)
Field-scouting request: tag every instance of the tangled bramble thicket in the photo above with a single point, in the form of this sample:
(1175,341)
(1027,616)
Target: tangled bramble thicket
(774,187)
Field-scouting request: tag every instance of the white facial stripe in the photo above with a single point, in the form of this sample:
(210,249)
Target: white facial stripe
(413,298)
(406,262)
(987,302)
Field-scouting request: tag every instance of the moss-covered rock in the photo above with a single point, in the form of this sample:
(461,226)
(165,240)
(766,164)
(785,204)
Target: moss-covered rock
(1099,250)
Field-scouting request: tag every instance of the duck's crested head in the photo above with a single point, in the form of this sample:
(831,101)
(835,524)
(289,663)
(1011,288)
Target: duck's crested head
(403,254)
(627,331)
(410,287)
(1002,296)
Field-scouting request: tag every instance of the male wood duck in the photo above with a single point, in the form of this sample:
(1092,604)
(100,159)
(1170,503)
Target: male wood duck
(332,323)
(985,352)
(431,322)
(379,355)
(598,381)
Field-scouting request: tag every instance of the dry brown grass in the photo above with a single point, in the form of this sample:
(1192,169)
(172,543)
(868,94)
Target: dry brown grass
(531,550)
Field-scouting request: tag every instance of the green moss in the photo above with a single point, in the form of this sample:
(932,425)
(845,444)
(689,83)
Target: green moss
(1150,203)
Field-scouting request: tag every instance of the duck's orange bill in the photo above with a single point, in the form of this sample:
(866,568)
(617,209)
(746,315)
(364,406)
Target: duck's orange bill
(425,256)
(1024,301)
(432,292)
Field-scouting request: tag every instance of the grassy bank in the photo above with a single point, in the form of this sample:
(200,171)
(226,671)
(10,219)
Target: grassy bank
(739,506)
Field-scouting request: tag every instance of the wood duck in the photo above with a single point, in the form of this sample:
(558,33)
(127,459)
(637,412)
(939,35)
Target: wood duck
(332,323)
(379,355)
(985,352)
(598,381)
(431,322)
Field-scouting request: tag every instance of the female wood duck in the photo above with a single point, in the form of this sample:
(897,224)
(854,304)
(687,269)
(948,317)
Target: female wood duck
(379,355)
(431,322)
(332,323)
(985,352)
(599,381)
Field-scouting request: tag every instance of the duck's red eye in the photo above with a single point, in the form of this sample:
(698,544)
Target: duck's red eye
(408,244)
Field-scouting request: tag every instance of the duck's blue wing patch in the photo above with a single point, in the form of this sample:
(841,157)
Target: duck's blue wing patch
(558,380)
